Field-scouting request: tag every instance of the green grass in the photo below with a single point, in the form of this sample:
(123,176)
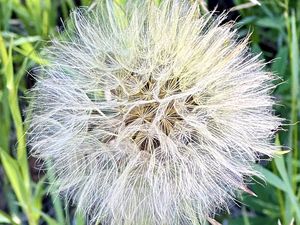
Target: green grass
(25,26)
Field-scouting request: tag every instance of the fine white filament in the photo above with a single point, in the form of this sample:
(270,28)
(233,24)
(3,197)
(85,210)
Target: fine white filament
(151,114)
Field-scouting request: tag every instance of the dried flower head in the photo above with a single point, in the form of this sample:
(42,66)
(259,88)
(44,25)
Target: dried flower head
(151,114)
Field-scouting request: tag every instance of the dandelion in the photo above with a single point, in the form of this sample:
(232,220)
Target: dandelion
(151,114)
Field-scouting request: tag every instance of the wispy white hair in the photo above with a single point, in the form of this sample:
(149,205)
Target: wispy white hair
(151,114)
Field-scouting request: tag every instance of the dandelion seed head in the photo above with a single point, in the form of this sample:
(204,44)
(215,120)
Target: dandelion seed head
(151,114)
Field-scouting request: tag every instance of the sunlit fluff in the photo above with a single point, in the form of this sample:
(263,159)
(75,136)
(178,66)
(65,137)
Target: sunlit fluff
(151,115)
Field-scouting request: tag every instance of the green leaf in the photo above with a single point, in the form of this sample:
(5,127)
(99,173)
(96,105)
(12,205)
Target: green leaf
(27,50)
(38,196)
(280,62)
(48,219)
(279,161)
(14,175)
(271,178)
(4,218)
(79,218)
(268,22)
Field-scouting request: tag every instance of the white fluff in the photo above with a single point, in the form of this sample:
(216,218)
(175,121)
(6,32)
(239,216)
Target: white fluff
(151,115)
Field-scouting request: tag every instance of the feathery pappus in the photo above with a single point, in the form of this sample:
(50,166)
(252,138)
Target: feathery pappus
(150,113)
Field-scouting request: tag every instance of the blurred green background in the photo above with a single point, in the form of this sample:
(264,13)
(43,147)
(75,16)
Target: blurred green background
(27,25)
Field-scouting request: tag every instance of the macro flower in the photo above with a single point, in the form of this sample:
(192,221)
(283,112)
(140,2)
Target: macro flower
(151,113)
